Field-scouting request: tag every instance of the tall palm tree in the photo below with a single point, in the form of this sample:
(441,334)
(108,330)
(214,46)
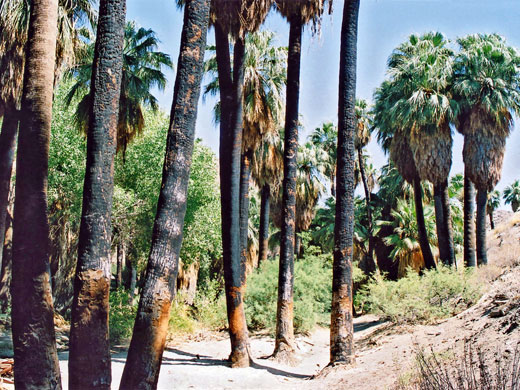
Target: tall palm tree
(485,86)
(493,203)
(32,309)
(421,70)
(512,195)
(326,137)
(298,13)
(151,325)
(235,17)
(142,70)
(394,141)
(89,356)
(341,325)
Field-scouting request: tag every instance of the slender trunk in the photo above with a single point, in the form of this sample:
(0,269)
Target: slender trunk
(333,186)
(151,324)
(245,176)
(341,325)
(426,250)
(7,149)
(89,357)
(133,280)
(230,147)
(284,341)
(7,264)
(481,226)
(443,222)
(491,220)
(32,309)
(371,265)
(469,223)
(120,261)
(264,224)
(297,243)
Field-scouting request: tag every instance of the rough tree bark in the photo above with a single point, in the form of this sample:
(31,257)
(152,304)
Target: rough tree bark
(481,226)
(341,325)
(32,310)
(89,357)
(443,223)
(151,324)
(426,250)
(284,339)
(469,223)
(371,264)
(245,176)
(263,241)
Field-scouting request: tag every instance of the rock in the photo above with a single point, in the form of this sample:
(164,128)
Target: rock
(497,312)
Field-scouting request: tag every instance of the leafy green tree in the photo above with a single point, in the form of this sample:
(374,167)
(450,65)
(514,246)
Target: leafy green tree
(512,195)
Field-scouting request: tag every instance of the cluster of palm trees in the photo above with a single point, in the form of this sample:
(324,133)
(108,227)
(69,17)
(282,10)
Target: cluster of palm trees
(114,75)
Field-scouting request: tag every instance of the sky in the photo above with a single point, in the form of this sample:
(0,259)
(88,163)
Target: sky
(383,25)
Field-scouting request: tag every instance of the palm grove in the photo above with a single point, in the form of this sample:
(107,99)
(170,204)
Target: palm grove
(90,183)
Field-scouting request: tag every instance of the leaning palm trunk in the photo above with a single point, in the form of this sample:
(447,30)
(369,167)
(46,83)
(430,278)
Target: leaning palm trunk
(7,149)
(264,224)
(32,309)
(89,357)
(469,222)
(284,338)
(151,325)
(341,325)
(371,265)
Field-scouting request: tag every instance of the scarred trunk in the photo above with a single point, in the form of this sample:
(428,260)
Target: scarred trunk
(341,325)
(443,222)
(481,226)
(151,324)
(264,224)
(229,153)
(32,310)
(371,264)
(245,176)
(89,357)
(469,223)
(284,342)
(426,250)
(7,149)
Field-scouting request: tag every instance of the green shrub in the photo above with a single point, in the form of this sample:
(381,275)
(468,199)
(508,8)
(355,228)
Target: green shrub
(437,294)
(312,294)
(181,320)
(122,316)
(210,306)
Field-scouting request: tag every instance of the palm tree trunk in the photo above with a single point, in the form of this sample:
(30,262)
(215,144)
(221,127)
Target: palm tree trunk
(264,224)
(297,243)
(230,152)
(491,220)
(284,341)
(426,250)
(7,264)
(245,176)
(371,265)
(481,226)
(469,223)
(341,325)
(443,222)
(32,309)
(89,356)
(151,324)
(333,186)
(7,149)
(121,255)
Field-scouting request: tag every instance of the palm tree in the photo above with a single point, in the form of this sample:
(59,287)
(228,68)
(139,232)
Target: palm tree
(32,309)
(151,325)
(326,137)
(298,13)
(341,325)
(493,203)
(421,73)
(89,356)
(142,70)
(485,87)
(394,141)
(235,17)
(512,195)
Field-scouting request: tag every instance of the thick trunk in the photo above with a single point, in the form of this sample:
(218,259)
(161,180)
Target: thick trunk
(491,220)
(151,325)
(230,148)
(32,309)
(245,176)
(443,223)
(284,341)
(7,264)
(371,265)
(481,226)
(263,241)
(469,223)
(426,250)
(89,357)
(121,257)
(7,149)
(341,325)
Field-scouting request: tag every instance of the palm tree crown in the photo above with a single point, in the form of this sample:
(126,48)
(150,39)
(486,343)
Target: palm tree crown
(512,195)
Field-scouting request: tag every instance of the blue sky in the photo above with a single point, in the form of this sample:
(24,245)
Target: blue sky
(383,24)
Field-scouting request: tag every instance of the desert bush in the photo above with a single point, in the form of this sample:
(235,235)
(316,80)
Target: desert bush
(122,316)
(427,298)
(210,306)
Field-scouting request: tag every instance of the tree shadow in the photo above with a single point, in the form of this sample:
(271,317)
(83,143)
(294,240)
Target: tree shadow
(361,326)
